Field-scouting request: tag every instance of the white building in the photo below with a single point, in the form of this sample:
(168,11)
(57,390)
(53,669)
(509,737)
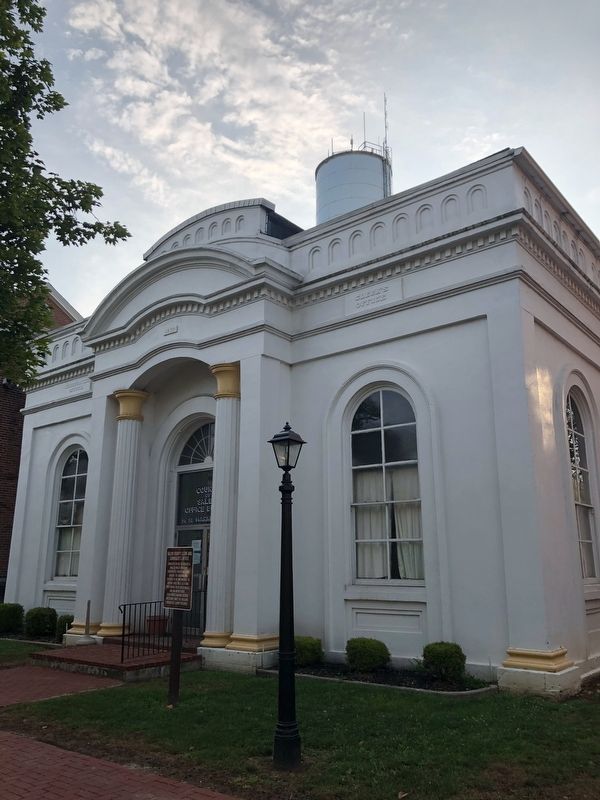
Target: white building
(430,347)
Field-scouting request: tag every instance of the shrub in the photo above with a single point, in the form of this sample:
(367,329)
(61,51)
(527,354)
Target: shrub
(308,651)
(444,661)
(366,655)
(63,623)
(40,621)
(11,618)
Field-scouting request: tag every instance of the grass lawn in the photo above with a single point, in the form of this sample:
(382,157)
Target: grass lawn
(13,653)
(359,742)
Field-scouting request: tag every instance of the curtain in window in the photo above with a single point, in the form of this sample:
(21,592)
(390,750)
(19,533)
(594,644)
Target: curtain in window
(371,558)
(403,485)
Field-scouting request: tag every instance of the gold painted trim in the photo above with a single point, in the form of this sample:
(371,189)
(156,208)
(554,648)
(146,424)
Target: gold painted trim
(111,629)
(78,628)
(253,644)
(130,403)
(228,379)
(215,639)
(538,660)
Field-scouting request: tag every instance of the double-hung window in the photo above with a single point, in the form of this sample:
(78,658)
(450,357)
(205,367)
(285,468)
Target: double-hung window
(580,477)
(70,514)
(386,503)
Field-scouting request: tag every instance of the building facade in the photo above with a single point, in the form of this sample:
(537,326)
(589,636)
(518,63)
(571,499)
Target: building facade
(12,401)
(439,352)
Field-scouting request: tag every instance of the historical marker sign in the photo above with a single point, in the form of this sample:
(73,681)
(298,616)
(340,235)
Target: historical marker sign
(178,578)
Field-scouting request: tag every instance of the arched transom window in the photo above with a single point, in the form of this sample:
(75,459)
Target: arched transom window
(580,476)
(199,448)
(70,514)
(386,498)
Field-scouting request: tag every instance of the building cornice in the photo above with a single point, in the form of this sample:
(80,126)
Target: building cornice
(78,370)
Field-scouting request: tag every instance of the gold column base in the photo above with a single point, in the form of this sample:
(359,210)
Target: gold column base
(215,639)
(539,660)
(78,628)
(111,629)
(253,644)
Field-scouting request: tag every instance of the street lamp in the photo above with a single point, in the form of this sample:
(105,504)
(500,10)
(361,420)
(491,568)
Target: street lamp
(286,745)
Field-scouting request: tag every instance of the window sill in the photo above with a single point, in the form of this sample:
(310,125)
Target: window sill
(397,592)
(591,591)
(61,584)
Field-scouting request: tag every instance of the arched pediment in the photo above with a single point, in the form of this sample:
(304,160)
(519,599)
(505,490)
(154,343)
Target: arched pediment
(196,273)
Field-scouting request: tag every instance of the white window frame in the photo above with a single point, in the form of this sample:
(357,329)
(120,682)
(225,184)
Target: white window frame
(57,527)
(381,429)
(575,395)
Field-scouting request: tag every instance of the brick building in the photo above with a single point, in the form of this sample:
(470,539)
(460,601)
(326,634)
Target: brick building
(12,400)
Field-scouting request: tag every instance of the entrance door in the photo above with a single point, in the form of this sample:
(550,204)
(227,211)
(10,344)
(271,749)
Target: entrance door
(197,539)
(193,530)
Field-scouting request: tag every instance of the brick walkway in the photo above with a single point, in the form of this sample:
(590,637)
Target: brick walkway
(24,684)
(35,771)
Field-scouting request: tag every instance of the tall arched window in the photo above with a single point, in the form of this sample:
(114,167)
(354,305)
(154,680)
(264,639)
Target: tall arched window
(385,497)
(70,514)
(580,476)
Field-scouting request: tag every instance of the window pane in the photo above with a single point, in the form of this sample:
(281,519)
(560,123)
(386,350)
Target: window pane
(366,449)
(71,465)
(574,418)
(65,539)
(76,539)
(371,561)
(402,483)
(368,485)
(78,512)
(67,487)
(580,451)
(396,409)
(74,571)
(405,522)
(586,552)
(368,414)
(82,467)
(80,487)
(370,522)
(584,523)
(407,558)
(63,561)
(195,498)
(64,513)
(401,444)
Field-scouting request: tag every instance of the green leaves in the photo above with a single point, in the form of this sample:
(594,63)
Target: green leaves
(34,204)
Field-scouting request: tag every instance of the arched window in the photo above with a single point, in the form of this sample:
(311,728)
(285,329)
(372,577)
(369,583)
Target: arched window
(199,448)
(580,476)
(385,497)
(70,514)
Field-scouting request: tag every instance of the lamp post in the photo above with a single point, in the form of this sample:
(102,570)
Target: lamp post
(286,745)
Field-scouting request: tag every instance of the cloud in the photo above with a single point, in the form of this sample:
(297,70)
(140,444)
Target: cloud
(220,93)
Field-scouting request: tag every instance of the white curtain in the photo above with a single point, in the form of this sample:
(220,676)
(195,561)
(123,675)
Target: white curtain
(371,558)
(403,486)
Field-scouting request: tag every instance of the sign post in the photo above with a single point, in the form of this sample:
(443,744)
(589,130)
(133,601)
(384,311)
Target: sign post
(178,596)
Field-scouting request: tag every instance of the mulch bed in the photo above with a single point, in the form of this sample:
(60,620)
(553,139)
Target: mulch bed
(411,678)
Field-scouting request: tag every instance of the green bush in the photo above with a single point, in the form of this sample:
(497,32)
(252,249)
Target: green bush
(366,655)
(40,621)
(444,661)
(308,651)
(11,618)
(63,623)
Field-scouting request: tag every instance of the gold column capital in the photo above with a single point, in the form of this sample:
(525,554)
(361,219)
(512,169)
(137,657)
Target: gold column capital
(130,403)
(228,379)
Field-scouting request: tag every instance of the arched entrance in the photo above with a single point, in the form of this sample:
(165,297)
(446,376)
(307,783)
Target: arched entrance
(193,511)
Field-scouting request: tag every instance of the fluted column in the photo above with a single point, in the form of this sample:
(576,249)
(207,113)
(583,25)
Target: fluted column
(118,563)
(221,565)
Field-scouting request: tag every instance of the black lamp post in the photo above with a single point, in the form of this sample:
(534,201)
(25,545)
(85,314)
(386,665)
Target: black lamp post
(286,745)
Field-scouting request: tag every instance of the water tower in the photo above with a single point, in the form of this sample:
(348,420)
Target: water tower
(353,178)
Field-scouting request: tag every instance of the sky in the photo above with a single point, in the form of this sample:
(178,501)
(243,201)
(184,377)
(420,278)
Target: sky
(179,105)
